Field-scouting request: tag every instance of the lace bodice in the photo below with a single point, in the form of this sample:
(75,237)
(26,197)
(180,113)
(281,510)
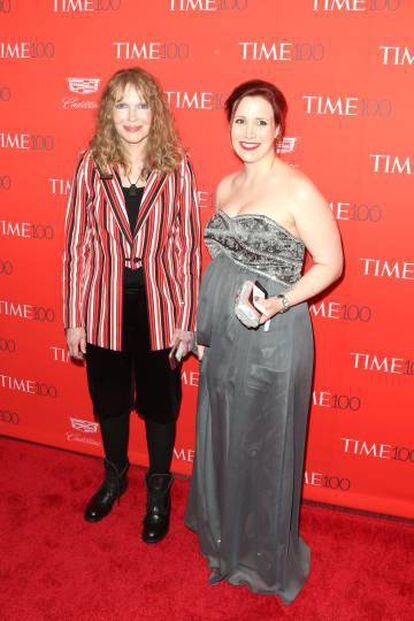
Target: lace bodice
(258,243)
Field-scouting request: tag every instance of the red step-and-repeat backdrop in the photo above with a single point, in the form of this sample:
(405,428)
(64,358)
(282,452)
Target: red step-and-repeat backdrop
(346,67)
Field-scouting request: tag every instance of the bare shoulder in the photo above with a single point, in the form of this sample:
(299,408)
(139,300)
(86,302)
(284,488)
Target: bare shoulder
(305,195)
(224,189)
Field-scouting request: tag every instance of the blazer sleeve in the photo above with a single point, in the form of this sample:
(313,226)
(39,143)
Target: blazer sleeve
(77,244)
(187,244)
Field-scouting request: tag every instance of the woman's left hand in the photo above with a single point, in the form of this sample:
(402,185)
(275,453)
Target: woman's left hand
(269,308)
(186,339)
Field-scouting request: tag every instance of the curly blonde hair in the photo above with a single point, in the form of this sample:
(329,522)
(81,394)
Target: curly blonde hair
(164,150)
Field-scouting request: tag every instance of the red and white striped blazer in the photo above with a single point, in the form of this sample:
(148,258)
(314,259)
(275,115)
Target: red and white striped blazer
(99,243)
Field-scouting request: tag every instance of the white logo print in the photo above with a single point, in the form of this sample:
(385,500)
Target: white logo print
(84,86)
(84,425)
(286,145)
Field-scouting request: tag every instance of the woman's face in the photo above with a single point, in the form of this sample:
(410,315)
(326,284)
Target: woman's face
(132,116)
(253,130)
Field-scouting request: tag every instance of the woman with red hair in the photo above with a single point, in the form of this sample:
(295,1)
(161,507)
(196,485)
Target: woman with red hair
(256,348)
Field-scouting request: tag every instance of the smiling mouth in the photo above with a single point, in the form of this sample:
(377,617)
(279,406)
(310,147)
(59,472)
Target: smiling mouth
(249,146)
(132,128)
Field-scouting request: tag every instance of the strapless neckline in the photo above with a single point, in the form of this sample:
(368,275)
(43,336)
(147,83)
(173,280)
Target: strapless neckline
(261,215)
(257,242)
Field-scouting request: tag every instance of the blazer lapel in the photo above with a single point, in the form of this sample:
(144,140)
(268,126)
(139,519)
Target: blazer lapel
(117,202)
(115,195)
(153,188)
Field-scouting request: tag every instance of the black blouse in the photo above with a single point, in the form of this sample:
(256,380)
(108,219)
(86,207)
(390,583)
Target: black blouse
(133,279)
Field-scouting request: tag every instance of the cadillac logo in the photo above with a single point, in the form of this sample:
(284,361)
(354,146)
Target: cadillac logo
(84,425)
(286,145)
(84,86)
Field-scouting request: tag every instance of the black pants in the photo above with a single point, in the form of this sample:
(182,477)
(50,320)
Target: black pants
(136,378)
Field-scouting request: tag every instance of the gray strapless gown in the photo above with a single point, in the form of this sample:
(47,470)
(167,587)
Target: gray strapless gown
(253,405)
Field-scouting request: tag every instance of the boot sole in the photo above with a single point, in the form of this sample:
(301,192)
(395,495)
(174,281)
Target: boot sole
(154,540)
(95,520)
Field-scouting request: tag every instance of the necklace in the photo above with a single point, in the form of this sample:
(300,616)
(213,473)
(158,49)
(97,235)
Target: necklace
(133,190)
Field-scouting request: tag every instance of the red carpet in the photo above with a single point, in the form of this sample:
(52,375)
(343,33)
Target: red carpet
(56,566)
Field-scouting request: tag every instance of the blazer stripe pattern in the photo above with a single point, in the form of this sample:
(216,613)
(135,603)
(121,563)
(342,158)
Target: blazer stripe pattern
(99,243)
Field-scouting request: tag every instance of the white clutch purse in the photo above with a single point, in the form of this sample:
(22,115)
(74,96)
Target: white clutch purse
(247,306)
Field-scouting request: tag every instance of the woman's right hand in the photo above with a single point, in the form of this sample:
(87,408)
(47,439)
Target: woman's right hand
(200,351)
(76,339)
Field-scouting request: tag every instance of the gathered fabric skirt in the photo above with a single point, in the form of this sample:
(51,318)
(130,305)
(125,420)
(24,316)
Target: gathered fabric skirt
(253,403)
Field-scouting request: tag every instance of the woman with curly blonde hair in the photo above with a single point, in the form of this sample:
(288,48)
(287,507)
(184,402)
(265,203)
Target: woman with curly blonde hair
(163,149)
(131,272)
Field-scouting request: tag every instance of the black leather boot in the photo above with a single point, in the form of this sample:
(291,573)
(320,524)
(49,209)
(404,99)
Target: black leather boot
(113,486)
(157,518)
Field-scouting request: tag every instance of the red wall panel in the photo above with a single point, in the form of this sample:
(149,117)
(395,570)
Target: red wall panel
(346,67)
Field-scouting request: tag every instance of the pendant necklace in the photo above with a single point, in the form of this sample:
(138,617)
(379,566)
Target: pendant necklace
(133,190)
